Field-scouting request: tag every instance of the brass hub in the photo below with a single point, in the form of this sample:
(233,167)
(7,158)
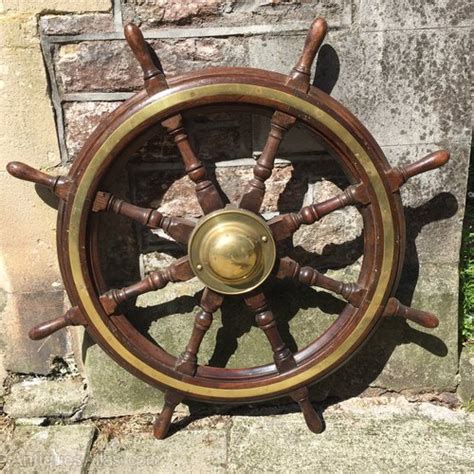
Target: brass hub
(232,251)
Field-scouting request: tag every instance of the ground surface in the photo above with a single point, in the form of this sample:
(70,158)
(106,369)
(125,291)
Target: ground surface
(363,435)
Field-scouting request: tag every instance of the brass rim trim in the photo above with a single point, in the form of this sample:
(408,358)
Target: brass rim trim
(200,253)
(80,205)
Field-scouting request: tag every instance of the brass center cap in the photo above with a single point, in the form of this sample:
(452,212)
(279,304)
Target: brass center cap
(232,251)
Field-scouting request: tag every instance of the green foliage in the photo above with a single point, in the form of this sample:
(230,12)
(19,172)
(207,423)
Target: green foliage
(467,264)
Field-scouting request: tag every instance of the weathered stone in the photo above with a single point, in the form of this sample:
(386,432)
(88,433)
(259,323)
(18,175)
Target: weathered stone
(434,202)
(38,6)
(76,24)
(402,356)
(383,15)
(62,449)
(208,13)
(77,63)
(406,87)
(23,311)
(200,450)
(466,374)
(81,118)
(112,390)
(39,398)
(400,439)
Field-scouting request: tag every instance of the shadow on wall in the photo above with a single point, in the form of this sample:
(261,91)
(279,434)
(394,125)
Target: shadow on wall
(368,363)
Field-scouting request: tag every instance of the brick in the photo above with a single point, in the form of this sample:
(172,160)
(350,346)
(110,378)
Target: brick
(81,118)
(208,13)
(76,24)
(110,66)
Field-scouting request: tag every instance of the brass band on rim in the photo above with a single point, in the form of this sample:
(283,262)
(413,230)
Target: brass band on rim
(277,97)
(232,251)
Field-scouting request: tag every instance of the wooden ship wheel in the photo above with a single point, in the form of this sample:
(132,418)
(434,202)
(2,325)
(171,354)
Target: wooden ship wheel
(232,249)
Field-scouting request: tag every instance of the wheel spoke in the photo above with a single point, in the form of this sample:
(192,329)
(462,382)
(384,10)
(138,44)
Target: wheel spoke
(283,357)
(206,192)
(255,192)
(286,225)
(210,303)
(177,228)
(177,271)
(351,292)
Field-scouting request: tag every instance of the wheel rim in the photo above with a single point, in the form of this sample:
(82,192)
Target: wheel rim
(263,388)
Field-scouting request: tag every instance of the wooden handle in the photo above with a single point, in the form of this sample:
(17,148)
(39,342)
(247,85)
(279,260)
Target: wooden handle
(312,418)
(430,162)
(153,76)
(27,173)
(73,317)
(395,308)
(59,185)
(314,39)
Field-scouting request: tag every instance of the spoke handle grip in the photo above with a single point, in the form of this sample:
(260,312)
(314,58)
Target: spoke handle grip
(313,41)
(429,162)
(28,173)
(73,317)
(144,53)
(423,318)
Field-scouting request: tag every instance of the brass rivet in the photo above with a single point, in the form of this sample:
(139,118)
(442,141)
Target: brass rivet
(264,238)
(199,266)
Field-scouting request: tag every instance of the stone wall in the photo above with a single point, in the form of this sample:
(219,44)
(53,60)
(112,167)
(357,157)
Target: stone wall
(402,69)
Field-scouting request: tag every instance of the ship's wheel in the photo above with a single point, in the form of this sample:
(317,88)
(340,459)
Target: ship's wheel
(232,249)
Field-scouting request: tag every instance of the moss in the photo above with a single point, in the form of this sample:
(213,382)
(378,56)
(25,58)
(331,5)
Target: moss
(467,264)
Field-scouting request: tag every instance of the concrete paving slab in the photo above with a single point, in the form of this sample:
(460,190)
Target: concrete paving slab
(387,437)
(196,451)
(39,398)
(58,449)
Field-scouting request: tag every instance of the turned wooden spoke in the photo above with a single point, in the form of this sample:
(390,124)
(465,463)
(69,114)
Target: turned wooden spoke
(177,271)
(253,197)
(187,361)
(210,303)
(351,292)
(286,225)
(155,81)
(178,229)
(400,175)
(283,357)
(299,78)
(59,185)
(206,192)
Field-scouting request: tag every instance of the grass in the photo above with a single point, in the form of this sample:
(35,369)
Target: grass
(467,264)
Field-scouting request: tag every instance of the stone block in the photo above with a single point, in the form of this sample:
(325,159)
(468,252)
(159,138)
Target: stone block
(401,440)
(76,24)
(60,6)
(466,374)
(77,63)
(433,202)
(407,87)
(22,312)
(81,118)
(209,13)
(200,450)
(42,398)
(406,14)
(112,390)
(61,449)
(402,356)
